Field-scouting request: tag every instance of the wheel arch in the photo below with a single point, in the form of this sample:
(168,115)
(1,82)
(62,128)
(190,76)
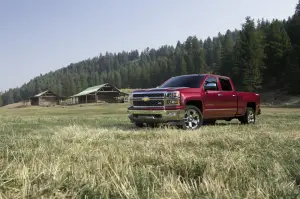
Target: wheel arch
(197,103)
(251,105)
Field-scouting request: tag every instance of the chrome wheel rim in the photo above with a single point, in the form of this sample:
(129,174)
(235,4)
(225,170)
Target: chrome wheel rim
(191,119)
(251,117)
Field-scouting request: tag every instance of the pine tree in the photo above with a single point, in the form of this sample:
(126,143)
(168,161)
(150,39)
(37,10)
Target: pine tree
(118,79)
(250,56)
(217,48)
(197,56)
(297,11)
(190,47)
(9,99)
(1,101)
(72,89)
(208,52)
(182,66)
(276,49)
(16,95)
(227,55)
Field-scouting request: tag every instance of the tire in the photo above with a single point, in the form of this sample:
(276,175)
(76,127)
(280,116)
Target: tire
(249,117)
(152,125)
(139,125)
(193,118)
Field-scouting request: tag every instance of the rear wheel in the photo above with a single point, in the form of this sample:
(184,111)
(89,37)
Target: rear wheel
(193,118)
(152,125)
(140,125)
(249,117)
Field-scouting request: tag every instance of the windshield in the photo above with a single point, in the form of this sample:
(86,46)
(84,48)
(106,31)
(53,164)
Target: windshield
(190,81)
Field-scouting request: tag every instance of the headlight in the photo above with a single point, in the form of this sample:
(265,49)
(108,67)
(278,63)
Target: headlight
(175,94)
(173,98)
(173,102)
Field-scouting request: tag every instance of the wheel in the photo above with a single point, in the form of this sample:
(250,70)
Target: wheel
(209,122)
(193,118)
(140,125)
(249,117)
(152,125)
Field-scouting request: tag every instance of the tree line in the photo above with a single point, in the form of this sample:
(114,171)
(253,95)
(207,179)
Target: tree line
(262,55)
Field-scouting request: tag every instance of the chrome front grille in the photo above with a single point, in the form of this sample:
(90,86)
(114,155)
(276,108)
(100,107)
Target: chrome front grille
(156,95)
(149,103)
(152,99)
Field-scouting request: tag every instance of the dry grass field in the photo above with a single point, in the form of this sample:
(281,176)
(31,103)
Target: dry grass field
(94,152)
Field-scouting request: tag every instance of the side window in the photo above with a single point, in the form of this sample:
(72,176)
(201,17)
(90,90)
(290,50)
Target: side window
(225,84)
(212,80)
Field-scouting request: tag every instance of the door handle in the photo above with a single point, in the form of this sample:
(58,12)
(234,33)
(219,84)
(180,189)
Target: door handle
(219,94)
(233,95)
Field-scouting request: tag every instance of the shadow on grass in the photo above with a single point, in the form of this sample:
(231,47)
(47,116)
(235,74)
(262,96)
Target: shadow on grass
(132,127)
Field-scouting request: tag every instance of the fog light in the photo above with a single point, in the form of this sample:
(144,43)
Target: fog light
(171,114)
(173,102)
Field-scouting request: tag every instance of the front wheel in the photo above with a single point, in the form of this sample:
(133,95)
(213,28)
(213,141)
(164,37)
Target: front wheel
(193,118)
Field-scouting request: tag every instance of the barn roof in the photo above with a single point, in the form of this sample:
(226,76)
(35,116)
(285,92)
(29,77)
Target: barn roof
(94,89)
(44,92)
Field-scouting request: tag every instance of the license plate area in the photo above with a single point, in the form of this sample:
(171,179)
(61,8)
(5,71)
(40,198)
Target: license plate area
(147,116)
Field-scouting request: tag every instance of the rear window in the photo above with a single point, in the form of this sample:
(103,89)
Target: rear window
(190,81)
(225,84)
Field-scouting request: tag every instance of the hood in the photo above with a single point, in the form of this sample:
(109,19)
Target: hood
(160,89)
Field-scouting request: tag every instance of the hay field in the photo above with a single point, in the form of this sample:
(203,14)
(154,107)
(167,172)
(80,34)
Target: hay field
(94,152)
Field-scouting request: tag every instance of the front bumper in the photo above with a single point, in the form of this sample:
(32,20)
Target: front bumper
(156,116)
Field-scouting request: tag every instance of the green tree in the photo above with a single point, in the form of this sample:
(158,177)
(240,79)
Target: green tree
(16,95)
(208,52)
(1,101)
(198,57)
(217,50)
(227,55)
(182,66)
(297,11)
(250,55)
(276,49)
(118,79)
(72,89)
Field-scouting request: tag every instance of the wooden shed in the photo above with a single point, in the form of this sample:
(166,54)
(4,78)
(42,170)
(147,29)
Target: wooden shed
(45,98)
(101,93)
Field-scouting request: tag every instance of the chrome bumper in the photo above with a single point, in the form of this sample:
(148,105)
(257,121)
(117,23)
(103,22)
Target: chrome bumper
(156,116)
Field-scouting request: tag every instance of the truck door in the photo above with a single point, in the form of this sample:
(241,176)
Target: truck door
(211,100)
(228,97)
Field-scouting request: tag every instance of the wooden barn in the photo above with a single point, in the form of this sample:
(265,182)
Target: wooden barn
(101,93)
(45,98)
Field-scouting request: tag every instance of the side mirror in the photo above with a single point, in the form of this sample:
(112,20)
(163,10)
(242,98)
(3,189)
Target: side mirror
(210,86)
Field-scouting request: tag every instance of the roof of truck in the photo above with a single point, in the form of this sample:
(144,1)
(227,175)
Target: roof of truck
(204,74)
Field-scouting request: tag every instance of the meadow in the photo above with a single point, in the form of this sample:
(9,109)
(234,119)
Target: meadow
(95,152)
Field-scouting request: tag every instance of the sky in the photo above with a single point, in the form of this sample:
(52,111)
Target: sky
(37,36)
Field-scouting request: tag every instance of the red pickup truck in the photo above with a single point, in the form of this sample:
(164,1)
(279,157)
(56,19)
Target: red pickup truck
(189,101)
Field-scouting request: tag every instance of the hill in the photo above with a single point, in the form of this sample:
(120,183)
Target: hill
(261,56)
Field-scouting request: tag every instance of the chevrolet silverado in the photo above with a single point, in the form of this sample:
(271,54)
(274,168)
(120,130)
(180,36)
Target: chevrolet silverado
(190,101)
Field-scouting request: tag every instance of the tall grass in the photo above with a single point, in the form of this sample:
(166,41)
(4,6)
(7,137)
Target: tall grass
(96,153)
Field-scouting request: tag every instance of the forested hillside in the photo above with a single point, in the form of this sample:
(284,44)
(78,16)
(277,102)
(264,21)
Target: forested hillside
(262,55)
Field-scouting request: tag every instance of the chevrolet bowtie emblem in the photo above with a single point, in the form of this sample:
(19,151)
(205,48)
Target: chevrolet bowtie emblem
(145,99)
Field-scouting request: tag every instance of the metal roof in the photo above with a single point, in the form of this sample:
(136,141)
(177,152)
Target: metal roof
(95,89)
(40,94)
(44,92)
